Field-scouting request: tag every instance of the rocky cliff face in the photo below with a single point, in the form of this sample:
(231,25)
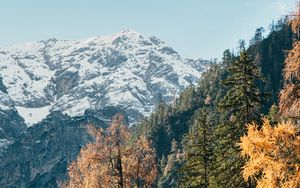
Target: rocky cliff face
(50,90)
(11,124)
(39,156)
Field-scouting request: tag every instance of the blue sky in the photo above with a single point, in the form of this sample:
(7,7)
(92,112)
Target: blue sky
(194,28)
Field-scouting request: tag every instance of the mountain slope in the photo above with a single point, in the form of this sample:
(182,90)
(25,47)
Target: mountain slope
(125,69)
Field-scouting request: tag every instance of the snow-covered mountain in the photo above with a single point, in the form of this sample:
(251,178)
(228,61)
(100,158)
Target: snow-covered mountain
(61,86)
(125,69)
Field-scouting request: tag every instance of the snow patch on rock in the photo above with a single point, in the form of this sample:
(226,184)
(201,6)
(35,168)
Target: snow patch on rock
(33,115)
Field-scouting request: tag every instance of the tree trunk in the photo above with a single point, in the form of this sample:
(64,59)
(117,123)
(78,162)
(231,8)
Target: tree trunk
(120,170)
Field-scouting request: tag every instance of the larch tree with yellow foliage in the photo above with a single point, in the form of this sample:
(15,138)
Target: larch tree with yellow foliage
(273,155)
(113,160)
(289,104)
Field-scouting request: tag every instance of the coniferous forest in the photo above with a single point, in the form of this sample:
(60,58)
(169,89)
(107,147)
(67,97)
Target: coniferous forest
(238,127)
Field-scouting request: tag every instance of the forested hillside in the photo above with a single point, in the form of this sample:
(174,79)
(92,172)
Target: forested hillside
(209,112)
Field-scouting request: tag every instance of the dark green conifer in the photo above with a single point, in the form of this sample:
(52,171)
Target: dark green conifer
(243,99)
(241,105)
(198,153)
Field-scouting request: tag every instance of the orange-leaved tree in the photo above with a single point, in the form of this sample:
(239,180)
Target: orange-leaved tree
(113,160)
(273,155)
(289,102)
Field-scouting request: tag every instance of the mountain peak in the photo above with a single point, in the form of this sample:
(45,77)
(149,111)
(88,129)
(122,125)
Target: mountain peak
(129,32)
(124,69)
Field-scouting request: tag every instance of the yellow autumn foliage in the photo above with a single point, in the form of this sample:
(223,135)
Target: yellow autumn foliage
(289,103)
(273,155)
(113,160)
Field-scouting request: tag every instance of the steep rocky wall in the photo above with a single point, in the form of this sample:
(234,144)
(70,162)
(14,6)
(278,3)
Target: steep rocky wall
(39,157)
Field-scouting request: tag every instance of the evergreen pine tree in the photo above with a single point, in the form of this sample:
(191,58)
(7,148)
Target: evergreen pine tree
(240,106)
(197,151)
(243,99)
(188,99)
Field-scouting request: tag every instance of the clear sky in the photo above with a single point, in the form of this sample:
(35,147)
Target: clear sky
(194,28)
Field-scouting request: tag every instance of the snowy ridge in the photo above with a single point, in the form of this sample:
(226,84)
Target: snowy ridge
(124,69)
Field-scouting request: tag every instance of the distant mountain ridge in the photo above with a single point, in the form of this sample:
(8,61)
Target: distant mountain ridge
(124,69)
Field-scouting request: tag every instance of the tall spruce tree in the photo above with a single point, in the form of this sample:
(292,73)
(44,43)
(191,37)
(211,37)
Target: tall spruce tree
(243,99)
(240,106)
(198,153)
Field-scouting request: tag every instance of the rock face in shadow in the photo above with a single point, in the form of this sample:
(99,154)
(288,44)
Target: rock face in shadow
(11,125)
(40,154)
(2,86)
(65,82)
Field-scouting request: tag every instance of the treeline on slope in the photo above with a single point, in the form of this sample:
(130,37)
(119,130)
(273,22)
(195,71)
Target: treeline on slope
(172,126)
(269,54)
